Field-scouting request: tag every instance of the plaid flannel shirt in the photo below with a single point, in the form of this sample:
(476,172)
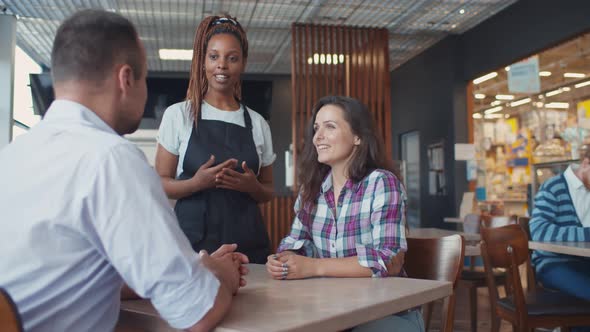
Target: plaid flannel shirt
(370,222)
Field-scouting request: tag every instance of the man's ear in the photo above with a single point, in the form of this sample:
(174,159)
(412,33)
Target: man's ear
(125,78)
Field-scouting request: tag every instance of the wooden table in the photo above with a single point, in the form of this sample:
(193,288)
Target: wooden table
(317,304)
(568,248)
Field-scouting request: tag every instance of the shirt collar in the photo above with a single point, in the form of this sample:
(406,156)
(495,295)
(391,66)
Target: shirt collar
(63,110)
(349,184)
(572,180)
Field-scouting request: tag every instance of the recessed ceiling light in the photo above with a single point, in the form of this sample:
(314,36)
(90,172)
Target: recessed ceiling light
(507,68)
(479,96)
(175,54)
(494,116)
(495,103)
(485,77)
(462,11)
(574,75)
(545,73)
(477,115)
(579,85)
(493,110)
(557,105)
(520,102)
(553,93)
(504,97)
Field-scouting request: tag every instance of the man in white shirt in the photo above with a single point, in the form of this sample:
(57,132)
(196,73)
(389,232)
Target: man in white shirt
(82,212)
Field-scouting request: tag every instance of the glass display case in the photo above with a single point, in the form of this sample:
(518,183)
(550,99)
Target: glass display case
(544,171)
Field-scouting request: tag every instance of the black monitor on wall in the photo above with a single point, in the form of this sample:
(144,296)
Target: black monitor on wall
(162,92)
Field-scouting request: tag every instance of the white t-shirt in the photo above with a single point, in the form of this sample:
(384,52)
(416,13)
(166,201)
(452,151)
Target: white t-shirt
(177,126)
(580,195)
(82,211)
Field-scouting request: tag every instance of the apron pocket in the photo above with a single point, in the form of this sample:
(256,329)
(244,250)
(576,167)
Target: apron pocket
(191,218)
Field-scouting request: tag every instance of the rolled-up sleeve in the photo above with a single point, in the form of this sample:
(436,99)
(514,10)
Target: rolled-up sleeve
(387,224)
(135,228)
(299,239)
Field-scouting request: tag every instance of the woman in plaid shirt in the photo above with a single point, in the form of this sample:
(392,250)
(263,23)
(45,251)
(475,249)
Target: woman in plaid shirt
(350,212)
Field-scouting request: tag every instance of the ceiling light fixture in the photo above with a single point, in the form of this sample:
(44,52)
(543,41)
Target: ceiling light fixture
(461,11)
(574,75)
(330,59)
(493,110)
(485,77)
(495,103)
(520,102)
(479,96)
(545,73)
(477,115)
(553,93)
(579,85)
(175,54)
(494,116)
(507,68)
(505,97)
(558,105)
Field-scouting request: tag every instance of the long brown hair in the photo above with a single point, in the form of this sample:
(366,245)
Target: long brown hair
(210,26)
(368,156)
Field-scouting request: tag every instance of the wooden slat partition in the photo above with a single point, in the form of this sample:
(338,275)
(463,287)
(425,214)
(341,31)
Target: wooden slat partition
(364,74)
(278,215)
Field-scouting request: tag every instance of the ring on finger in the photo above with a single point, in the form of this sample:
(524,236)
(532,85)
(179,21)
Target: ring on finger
(284,265)
(285,269)
(285,273)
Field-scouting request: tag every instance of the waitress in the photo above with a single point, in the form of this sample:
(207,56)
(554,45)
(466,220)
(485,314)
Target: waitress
(214,154)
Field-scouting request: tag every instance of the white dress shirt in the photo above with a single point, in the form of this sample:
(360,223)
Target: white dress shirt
(81,211)
(580,195)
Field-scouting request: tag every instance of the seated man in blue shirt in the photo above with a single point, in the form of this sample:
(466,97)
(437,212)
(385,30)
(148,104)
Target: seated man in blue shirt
(82,211)
(562,213)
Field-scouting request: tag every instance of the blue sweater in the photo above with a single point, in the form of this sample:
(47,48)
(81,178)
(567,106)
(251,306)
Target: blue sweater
(555,219)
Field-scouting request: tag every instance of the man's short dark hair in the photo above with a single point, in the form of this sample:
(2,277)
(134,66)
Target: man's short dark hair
(90,42)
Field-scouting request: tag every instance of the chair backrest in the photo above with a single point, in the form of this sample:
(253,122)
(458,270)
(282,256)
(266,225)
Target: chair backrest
(471,223)
(437,259)
(530,272)
(498,238)
(498,221)
(505,247)
(10,320)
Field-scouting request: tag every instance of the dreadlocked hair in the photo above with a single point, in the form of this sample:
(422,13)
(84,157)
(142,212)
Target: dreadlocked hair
(210,26)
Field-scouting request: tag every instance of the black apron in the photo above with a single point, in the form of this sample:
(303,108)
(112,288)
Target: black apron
(213,217)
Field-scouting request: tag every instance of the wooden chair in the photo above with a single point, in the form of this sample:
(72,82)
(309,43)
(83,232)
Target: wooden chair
(473,279)
(507,247)
(531,282)
(10,320)
(437,259)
